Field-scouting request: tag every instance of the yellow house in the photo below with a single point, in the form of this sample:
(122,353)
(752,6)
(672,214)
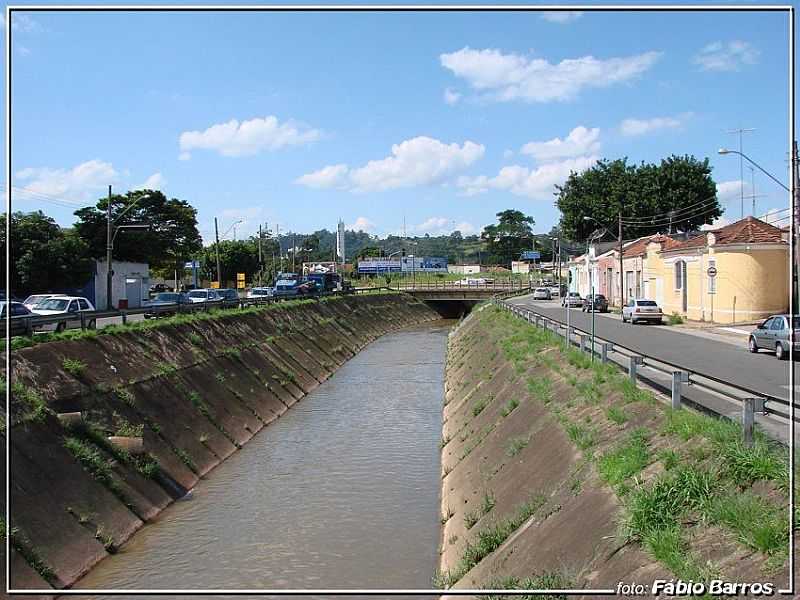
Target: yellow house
(737,273)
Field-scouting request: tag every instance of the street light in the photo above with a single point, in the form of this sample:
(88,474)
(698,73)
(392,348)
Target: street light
(619,241)
(724,151)
(111,234)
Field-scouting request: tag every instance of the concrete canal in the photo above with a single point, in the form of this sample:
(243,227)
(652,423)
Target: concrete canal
(341,491)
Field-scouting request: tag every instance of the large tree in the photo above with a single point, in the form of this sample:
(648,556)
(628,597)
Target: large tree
(44,257)
(512,235)
(678,194)
(172,238)
(235,256)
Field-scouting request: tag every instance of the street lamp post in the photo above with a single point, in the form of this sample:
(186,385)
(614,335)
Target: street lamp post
(111,234)
(796,206)
(619,241)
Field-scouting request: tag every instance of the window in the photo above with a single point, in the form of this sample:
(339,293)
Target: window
(73,306)
(83,304)
(679,275)
(777,324)
(18,310)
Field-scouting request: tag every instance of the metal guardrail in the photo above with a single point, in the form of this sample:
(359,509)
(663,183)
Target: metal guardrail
(503,284)
(751,400)
(88,319)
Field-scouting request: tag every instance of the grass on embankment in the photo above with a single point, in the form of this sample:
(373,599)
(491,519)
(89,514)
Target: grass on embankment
(681,478)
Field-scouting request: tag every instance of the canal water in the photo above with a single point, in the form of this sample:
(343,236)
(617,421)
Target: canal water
(341,492)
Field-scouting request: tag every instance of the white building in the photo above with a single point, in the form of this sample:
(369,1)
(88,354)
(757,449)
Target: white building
(464,269)
(130,282)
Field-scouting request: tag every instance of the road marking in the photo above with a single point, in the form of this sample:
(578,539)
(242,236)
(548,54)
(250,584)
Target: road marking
(734,330)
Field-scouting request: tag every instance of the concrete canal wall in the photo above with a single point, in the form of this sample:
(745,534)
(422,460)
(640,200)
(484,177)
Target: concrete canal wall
(176,399)
(560,473)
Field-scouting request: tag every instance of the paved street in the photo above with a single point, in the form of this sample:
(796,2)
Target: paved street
(727,361)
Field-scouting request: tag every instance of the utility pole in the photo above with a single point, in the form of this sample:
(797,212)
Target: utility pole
(260,256)
(741,131)
(109,273)
(796,228)
(621,273)
(216,245)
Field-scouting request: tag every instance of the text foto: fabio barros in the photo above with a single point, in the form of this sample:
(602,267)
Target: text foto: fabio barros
(678,587)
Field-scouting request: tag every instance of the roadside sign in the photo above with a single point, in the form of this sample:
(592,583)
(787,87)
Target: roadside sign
(215,285)
(531,255)
(192,264)
(712,271)
(240,281)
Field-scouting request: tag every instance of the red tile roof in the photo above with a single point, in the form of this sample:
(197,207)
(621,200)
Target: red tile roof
(639,247)
(747,231)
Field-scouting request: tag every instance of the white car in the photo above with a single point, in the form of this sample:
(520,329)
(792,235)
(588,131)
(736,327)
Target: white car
(67,306)
(641,309)
(204,295)
(35,299)
(542,293)
(260,292)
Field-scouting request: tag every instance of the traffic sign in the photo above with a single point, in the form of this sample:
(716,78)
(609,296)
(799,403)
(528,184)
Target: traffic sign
(531,255)
(712,271)
(215,285)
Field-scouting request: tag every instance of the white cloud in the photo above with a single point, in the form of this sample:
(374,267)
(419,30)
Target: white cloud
(716,224)
(156,181)
(361,224)
(731,190)
(451,97)
(21,23)
(579,142)
(418,161)
(562,16)
(444,226)
(332,176)
(731,56)
(80,182)
(506,77)
(184,156)
(537,183)
(248,137)
(634,127)
(508,153)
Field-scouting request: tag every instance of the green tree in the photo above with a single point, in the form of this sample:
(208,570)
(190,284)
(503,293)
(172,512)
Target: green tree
(44,257)
(677,194)
(510,237)
(235,256)
(368,251)
(172,239)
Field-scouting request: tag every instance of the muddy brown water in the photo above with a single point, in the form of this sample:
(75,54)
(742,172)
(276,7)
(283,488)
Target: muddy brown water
(341,492)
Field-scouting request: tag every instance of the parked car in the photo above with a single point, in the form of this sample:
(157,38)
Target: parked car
(542,293)
(572,299)
(20,317)
(774,334)
(600,303)
(164,301)
(260,292)
(204,295)
(285,287)
(66,306)
(35,299)
(229,296)
(554,291)
(641,309)
(158,288)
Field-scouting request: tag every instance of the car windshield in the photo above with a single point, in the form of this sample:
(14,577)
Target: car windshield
(35,299)
(198,294)
(168,297)
(646,303)
(54,304)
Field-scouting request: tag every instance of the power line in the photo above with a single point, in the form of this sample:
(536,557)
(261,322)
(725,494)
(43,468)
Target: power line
(706,205)
(667,214)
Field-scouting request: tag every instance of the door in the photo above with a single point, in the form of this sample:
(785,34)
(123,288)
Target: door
(133,292)
(763,334)
(778,330)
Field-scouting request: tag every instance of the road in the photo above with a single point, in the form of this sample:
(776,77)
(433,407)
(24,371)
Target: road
(729,362)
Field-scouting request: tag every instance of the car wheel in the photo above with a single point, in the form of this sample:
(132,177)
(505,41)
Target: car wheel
(780,353)
(751,345)
(61,327)
(92,324)
(624,320)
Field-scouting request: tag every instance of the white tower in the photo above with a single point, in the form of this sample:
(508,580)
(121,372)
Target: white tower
(340,251)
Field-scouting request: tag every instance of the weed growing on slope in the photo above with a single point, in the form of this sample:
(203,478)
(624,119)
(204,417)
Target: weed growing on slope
(509,407)
(479,406)
(757,524)
(473,517)
(541,388)
(626,460)
(582,437)
(616,415)
(73,366)
(546,581)
(36,409)
(517,444)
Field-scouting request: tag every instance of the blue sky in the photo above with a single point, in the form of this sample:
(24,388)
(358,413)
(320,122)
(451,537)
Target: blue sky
(443,119)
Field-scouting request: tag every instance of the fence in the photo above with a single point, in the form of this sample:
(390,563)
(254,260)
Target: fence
(752,401)
(88,319)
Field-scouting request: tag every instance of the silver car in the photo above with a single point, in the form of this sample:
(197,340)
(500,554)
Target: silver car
(642,309)
(774,334)
(573,300)
(542,293)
